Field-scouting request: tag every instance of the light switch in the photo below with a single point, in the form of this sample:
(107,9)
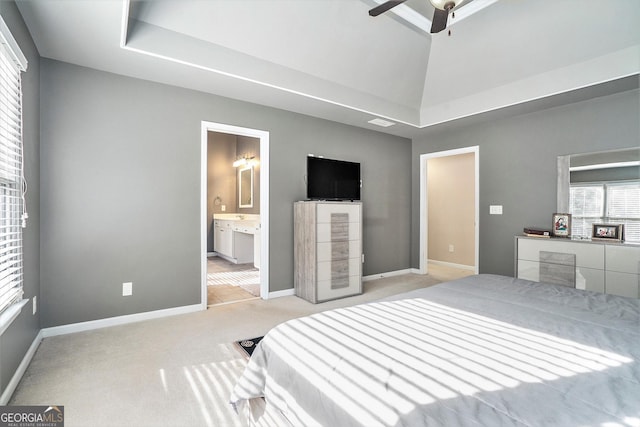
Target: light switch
(495,210)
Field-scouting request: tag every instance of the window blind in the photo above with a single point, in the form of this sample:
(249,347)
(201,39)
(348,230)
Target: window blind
(606,203)
(587,207)
(623,206)
(11,177)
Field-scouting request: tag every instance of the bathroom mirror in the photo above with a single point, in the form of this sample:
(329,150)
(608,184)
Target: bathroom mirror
(245,187)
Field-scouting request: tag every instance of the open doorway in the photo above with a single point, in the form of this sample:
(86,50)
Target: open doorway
(234,213)
(449,210)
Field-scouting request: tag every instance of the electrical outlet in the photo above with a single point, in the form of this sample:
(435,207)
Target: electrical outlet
(127,289)
(223,208)
(450,248)
(495,210)
(35,304)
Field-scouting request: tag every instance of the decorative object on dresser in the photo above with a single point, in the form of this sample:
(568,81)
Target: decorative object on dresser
(561,225)
(327,250)
(611,232)
(602,266)
(537,232)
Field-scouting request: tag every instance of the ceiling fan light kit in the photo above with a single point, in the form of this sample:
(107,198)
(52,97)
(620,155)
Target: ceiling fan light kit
(444,4)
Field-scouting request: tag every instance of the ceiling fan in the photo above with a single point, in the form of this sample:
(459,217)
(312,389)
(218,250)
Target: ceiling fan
(440,15)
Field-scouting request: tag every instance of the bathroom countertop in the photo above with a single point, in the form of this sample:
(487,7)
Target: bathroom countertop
(237,217)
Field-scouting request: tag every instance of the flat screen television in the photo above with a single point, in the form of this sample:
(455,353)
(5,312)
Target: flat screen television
(329,179)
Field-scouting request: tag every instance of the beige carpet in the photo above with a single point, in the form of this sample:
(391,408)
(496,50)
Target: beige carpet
(175,371)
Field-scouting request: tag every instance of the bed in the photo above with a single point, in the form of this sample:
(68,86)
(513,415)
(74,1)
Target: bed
(484,350)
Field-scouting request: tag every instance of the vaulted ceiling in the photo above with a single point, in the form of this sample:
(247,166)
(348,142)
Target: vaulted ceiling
(330,59)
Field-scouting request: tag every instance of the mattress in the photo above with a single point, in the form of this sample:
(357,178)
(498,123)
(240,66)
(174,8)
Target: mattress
(484,350)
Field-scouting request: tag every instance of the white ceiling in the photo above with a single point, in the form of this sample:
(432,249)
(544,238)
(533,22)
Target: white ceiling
(330,59)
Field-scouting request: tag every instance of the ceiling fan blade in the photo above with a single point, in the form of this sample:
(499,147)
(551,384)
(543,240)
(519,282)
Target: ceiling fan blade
(439,22)
(382,8)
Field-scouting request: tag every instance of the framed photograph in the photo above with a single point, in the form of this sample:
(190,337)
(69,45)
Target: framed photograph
(561,225)
(613,232)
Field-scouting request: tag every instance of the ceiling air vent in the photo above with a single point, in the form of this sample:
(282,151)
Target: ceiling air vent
(381,122)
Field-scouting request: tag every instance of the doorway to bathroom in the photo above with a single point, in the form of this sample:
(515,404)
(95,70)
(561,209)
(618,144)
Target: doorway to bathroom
(234,211)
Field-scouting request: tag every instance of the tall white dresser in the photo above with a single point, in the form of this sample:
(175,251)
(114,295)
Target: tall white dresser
(609,267)
(327,250)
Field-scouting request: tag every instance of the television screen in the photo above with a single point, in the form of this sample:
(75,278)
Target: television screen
(329,179)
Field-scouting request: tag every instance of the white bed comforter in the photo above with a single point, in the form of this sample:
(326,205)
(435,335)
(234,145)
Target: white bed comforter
(480,351)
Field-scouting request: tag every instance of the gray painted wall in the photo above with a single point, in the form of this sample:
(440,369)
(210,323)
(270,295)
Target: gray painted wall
(16,340)
(221,178)
(121,190)
(518,165)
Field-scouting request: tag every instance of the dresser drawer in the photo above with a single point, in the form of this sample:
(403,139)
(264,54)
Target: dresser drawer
(624,259)
(623,284)
(325,210)
(326,251)
(344,231)
(324,291)
(587,255)
(586,278)
(347,268)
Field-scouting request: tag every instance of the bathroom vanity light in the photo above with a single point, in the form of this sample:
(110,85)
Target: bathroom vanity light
(245,161)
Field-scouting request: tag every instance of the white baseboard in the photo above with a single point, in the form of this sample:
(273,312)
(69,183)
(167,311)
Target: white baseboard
(451,264)
(282,293)
(22,368)
(289,292)
(119,320)
(387,274)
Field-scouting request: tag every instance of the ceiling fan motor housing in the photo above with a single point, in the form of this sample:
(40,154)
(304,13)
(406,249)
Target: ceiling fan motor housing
(443,4)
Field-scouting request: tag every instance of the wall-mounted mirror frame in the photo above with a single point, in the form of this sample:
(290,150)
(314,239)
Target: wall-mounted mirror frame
(565,163)
(245,187)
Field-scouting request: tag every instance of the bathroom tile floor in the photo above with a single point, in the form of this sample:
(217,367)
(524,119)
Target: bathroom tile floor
(228,282)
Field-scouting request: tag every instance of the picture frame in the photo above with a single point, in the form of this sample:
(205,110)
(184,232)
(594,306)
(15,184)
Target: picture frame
(561,226)
(611,232)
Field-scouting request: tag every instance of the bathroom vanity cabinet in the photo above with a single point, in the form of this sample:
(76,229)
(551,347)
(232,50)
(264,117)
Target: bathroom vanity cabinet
(237,240)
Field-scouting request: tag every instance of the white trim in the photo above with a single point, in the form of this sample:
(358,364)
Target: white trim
(207,127)
(452,264)
(424,199)
(604,166)
(6,38)
(124,24)
(118,320)
(10,314)
(282,293)
(387,274)
(22,368)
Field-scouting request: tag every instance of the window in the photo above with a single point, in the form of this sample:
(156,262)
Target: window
(606,203)
(11,170)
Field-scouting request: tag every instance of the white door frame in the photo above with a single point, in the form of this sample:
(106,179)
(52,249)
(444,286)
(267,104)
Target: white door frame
(424,200)
(263,136)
